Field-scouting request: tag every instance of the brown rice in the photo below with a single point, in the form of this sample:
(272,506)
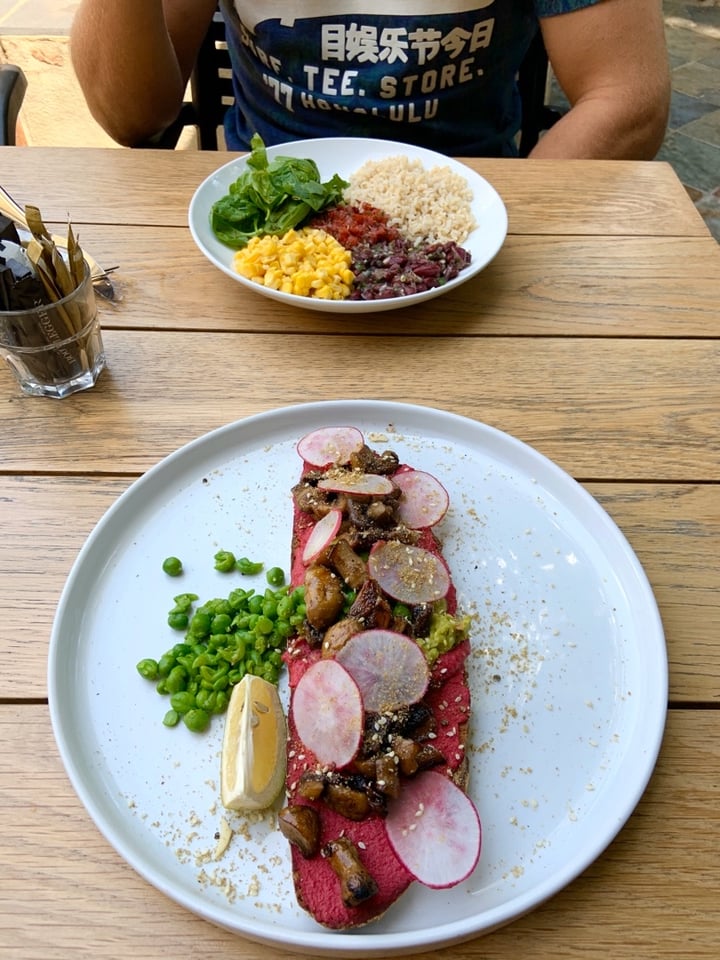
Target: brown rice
(432,205)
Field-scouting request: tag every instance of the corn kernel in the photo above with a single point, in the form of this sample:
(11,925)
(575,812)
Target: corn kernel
(305,262)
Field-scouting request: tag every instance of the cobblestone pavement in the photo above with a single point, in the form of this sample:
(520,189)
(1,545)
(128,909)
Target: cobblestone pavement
(33,34)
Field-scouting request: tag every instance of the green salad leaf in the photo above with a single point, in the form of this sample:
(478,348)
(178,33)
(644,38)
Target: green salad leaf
(271,197)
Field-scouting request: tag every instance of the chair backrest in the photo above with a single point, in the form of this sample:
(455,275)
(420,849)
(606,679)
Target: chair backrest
(212,93)
(12,91)
(211,84)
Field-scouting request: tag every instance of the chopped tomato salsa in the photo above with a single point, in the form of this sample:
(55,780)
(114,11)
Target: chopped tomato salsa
(353,224)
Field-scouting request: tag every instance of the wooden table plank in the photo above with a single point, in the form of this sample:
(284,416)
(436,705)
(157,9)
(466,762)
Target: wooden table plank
(124,186)
(592,336)
(673,528)
(601,409)
(652,895)
(659,286)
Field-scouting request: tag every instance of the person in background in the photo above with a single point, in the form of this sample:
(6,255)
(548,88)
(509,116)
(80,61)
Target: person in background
(431,73)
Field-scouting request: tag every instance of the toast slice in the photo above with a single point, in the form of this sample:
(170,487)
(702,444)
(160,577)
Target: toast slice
(346,870)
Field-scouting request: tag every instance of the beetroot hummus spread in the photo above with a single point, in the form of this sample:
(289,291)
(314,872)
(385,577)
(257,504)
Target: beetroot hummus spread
(347,867)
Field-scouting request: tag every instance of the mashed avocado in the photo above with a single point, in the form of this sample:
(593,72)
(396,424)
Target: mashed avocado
(446,632)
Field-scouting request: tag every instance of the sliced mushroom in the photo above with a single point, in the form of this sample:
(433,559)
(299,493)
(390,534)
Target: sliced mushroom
(370,461)
(371,608)
(311,785)
(346,800)
(406,751)
(323,596)
(338,635)
(300,824)
(387,779)
(352,568)
(356,883)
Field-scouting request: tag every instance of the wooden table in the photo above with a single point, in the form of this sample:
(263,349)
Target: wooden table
(593,336)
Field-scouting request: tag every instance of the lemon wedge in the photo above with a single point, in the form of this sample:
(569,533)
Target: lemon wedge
(253,762)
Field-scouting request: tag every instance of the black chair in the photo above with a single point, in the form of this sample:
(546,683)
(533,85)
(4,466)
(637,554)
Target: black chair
(12,92)
(211,93)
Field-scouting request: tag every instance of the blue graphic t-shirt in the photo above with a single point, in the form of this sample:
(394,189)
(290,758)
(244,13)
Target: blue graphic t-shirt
(443,80)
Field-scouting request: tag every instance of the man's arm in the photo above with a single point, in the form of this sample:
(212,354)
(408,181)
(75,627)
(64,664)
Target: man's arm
(133,59)
(611,61)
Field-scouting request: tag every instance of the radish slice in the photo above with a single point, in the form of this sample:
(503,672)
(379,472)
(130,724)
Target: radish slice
(322,535)
(435,830)
(409,574)
(329,445)
(358,484)
(328,712)
(424,501)
(389,668)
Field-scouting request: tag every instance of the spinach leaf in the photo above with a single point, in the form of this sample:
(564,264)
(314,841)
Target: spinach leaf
(271,197)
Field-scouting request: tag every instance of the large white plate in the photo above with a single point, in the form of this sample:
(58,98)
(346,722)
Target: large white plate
(568,672)
(345,155)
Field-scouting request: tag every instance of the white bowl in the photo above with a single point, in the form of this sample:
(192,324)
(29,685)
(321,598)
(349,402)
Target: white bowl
(345,155)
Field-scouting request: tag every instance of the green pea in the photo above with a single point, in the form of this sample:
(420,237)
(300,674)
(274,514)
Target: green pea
(183,601)
(196,720)
(182,701)
(165,664)
(148,669)
(172,566)
(236,600)
(284,607)
(207,674)
(269,608)
(225,638)
(275,576)
(176,680)
(239,651)
(224,561)
(264,625)
(178,621)
(171,718)
(220,623)
(270,673)
(206,700)
(222,700)
(255,604)
(200,623)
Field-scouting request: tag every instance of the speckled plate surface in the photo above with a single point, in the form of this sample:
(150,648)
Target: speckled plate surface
(568,673)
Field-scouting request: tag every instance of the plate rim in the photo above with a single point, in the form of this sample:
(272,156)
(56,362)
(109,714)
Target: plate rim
(351,307)
(365,942)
